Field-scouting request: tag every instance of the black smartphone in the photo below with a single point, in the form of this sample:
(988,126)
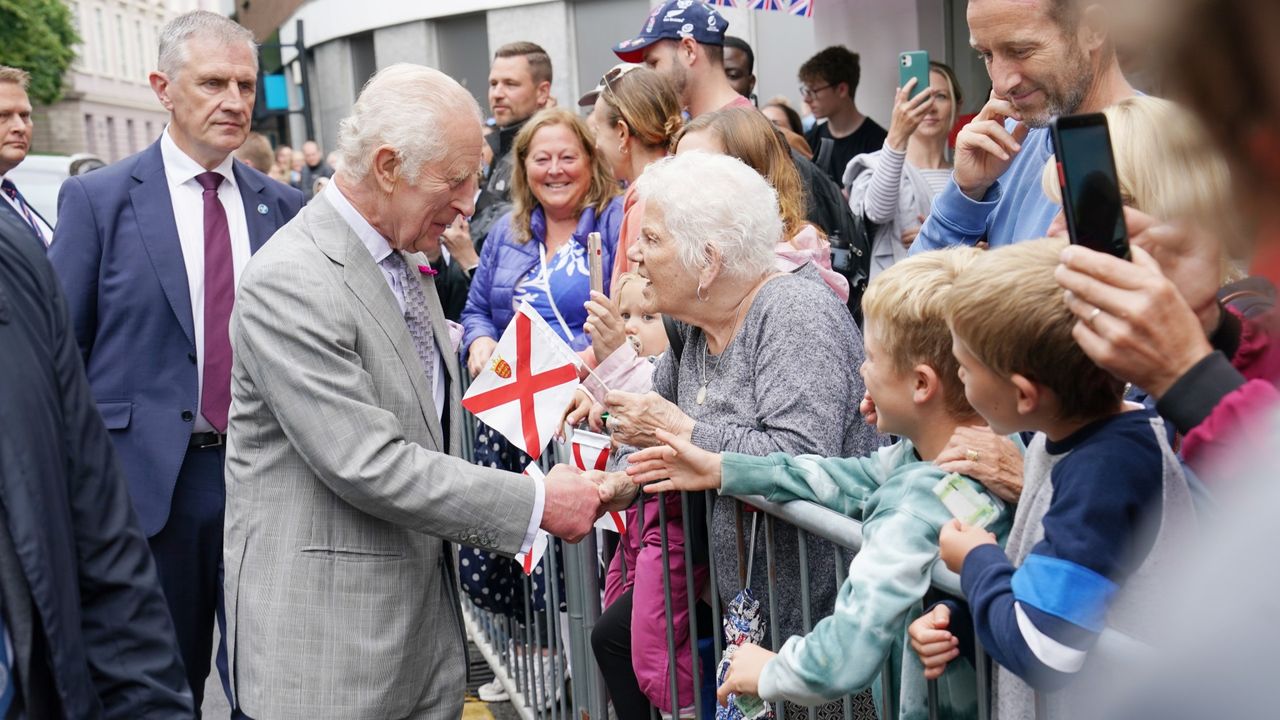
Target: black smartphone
(1090,186)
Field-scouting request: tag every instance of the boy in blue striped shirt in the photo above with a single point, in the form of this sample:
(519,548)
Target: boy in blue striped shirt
(1104,502)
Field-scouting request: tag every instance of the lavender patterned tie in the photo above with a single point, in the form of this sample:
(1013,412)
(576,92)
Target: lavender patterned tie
(219,295)
(415,313)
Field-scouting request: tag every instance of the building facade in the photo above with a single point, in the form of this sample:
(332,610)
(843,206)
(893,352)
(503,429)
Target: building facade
(347,42)
(108,108)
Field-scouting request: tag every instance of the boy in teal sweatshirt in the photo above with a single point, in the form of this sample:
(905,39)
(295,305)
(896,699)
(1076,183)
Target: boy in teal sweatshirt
(913,392)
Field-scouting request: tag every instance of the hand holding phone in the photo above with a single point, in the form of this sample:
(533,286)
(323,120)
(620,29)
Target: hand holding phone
(1090,185)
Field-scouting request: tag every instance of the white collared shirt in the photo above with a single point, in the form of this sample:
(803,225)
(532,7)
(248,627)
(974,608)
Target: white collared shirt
(188,214)
(379,249)
(46,232)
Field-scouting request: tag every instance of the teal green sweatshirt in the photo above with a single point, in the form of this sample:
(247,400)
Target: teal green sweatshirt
(891,492)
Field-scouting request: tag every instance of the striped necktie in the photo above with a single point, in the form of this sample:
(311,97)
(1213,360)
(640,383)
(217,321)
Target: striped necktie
(16,198)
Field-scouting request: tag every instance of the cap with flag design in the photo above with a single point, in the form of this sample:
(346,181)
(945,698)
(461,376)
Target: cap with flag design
(674,20)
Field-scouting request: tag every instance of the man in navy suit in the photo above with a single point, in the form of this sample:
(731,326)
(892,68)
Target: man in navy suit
(84,631)
(15,141)
(149,250)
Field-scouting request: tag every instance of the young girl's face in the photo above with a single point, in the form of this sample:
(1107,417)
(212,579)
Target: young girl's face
(644,331)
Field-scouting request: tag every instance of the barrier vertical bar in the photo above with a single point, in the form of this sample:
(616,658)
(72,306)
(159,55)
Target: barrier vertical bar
(933,699)
(717,629)
(888,703)
(841,574)
(527,674)
(775,635)
(667,604)
(692,601)
(806,606)
(554,641)
(983,669)
(537,700)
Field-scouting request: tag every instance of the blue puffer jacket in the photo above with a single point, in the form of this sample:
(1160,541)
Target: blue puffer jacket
(503,261)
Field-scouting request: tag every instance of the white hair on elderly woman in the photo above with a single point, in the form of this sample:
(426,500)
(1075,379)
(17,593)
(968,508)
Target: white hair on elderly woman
(175,34)
(715,201)
(403,106)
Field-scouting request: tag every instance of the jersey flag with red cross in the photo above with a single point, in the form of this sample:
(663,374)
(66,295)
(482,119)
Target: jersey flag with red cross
(529,381)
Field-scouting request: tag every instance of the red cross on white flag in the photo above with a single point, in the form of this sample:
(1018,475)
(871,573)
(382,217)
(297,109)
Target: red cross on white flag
(528,561)
(591,452)
(531,378)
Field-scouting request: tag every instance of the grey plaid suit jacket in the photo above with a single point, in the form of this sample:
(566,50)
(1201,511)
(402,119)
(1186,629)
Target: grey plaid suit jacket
(339,592)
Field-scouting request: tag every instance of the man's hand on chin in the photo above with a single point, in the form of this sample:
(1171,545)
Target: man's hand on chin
(571,504)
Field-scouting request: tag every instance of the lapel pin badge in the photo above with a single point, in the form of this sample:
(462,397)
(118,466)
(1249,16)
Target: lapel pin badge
(262,208)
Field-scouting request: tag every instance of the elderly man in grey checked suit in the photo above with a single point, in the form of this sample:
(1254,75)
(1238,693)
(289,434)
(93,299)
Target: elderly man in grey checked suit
(341,495)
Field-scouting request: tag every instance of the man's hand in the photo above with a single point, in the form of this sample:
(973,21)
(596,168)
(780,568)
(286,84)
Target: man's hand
(481,350)
(1131,320)
(957,540)
(457,238)
(634,419)
(678,465)
(984,149)
(605,326)
(743,675)
(991,459)
(571,504)
(933,642)
(910,234)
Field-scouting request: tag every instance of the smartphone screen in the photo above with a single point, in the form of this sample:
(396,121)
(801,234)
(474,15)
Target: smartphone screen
(1090,189)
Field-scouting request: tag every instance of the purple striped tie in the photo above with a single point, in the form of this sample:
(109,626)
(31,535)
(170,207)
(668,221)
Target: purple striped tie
(219,294)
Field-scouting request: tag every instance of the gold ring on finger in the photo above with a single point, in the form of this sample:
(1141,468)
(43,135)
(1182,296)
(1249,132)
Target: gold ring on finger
(972,455)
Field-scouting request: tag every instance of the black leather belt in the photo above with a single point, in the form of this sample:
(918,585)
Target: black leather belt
(201,441)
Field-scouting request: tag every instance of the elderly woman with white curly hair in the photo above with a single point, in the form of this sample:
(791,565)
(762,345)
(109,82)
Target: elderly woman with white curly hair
(769,360)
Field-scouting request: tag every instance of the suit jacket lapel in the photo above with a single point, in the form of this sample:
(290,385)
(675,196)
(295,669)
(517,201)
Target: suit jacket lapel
(262,225)
(153,210)
(368,284)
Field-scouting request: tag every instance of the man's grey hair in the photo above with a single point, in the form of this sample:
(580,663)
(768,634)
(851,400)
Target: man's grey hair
(715,201)
(175,34)
(406,107)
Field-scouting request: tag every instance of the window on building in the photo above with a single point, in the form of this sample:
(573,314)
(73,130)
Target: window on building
(151,133)
(131,136)
(113,142)
(90,134)
(122,50)
(143,65)
(100,38)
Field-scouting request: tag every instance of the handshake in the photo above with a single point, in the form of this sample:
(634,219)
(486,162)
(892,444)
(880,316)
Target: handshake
(574,499)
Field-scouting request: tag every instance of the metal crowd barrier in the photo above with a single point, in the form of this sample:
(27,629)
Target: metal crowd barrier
(510,644)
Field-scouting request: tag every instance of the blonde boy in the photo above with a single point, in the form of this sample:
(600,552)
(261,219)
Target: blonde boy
(913,392)
(1104,499)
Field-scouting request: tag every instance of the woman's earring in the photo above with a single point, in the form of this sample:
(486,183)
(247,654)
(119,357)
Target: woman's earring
(698,292)
(622,149)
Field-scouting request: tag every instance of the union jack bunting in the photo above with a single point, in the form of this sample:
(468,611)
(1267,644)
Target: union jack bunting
(723,3)
(768,4)
(802,8)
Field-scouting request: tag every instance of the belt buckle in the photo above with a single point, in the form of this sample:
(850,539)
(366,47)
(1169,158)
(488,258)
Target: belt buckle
(205,443)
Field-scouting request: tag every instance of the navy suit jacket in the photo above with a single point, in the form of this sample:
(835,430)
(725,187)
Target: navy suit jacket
(103,642)
(12,212)
(117,252)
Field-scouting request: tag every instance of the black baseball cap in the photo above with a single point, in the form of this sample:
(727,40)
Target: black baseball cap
(674,20)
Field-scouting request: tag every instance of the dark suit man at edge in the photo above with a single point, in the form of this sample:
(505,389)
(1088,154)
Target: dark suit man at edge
(84,628)
(149,250)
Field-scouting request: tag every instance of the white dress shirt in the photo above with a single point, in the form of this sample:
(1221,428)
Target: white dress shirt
(379,249)
(188,214)
(46,232)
